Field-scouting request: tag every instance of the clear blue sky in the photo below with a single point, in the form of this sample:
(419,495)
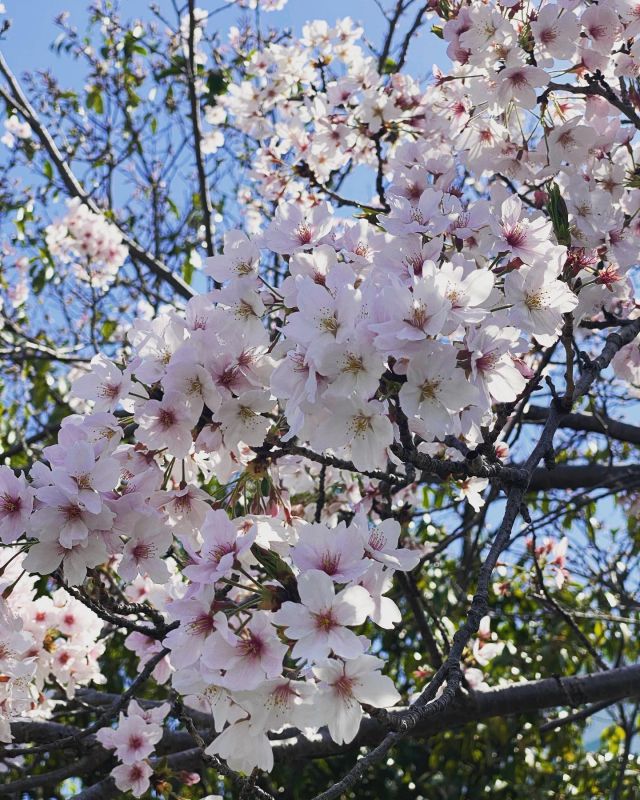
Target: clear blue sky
(27,44)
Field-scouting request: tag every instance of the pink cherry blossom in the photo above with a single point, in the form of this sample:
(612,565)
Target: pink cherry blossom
(345,685)
(319,622)
(16,504)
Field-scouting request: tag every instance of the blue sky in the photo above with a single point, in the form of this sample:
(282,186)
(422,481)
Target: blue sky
(27,45)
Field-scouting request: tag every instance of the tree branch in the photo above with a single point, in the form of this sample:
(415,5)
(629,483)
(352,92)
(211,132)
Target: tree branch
(205,198)
(603,688)
(621,431)
(583,477)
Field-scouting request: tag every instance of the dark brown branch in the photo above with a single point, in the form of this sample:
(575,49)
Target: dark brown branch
(578,716)
(603,688)
(203,184)
(393,24)
(82,766)
(417,23)
(621,431)
(414,599)
(583,477)
(304,171)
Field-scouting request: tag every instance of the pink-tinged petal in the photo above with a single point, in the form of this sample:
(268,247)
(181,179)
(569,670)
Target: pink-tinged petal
(345,643)
(344,723)
(316,590)
(375,690)
(312,647)
(353,605)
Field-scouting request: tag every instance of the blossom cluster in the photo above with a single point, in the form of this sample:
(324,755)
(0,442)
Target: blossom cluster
(15,129)
(44,639)
(89,243)
(134,740)
(231,472)
(484,129)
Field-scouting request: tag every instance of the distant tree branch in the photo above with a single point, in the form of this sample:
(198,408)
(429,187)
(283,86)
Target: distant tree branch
(18,99)
(205,198)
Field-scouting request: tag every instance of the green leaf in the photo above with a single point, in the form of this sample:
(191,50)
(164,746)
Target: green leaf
(559,215)
(217,84)
(108,328)
(187,270)
(277,569)
(94,100)
(389,67)
(39,279)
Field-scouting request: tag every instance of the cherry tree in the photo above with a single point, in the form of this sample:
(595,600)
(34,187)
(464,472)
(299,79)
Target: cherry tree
(319,405)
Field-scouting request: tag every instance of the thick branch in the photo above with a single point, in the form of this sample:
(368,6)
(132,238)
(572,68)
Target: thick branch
(523,698)
(621,431)
(583,477)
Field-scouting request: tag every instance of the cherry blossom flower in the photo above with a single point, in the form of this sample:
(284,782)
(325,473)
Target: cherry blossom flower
(522,237)
(556,31)
(276,703)
(601,26)
(425,217)
(222,545)
(248,659)
(538,300)
(244,746)
(240,259)
(48,553)
(380,544)
(364,426)
(166,424)
(470,490)
(519,84)
(484,649)
(559,560)
(133,740)
(185,510)
(16,505)
(345,685)
(143,553)
(241,418)
(292,229)
(488,356)
(84,476)
(319,622)
(435,389)
(193,383)
(132,778)
(410,317)
(105,384)
(62,516)
(339,552)
(378,581)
